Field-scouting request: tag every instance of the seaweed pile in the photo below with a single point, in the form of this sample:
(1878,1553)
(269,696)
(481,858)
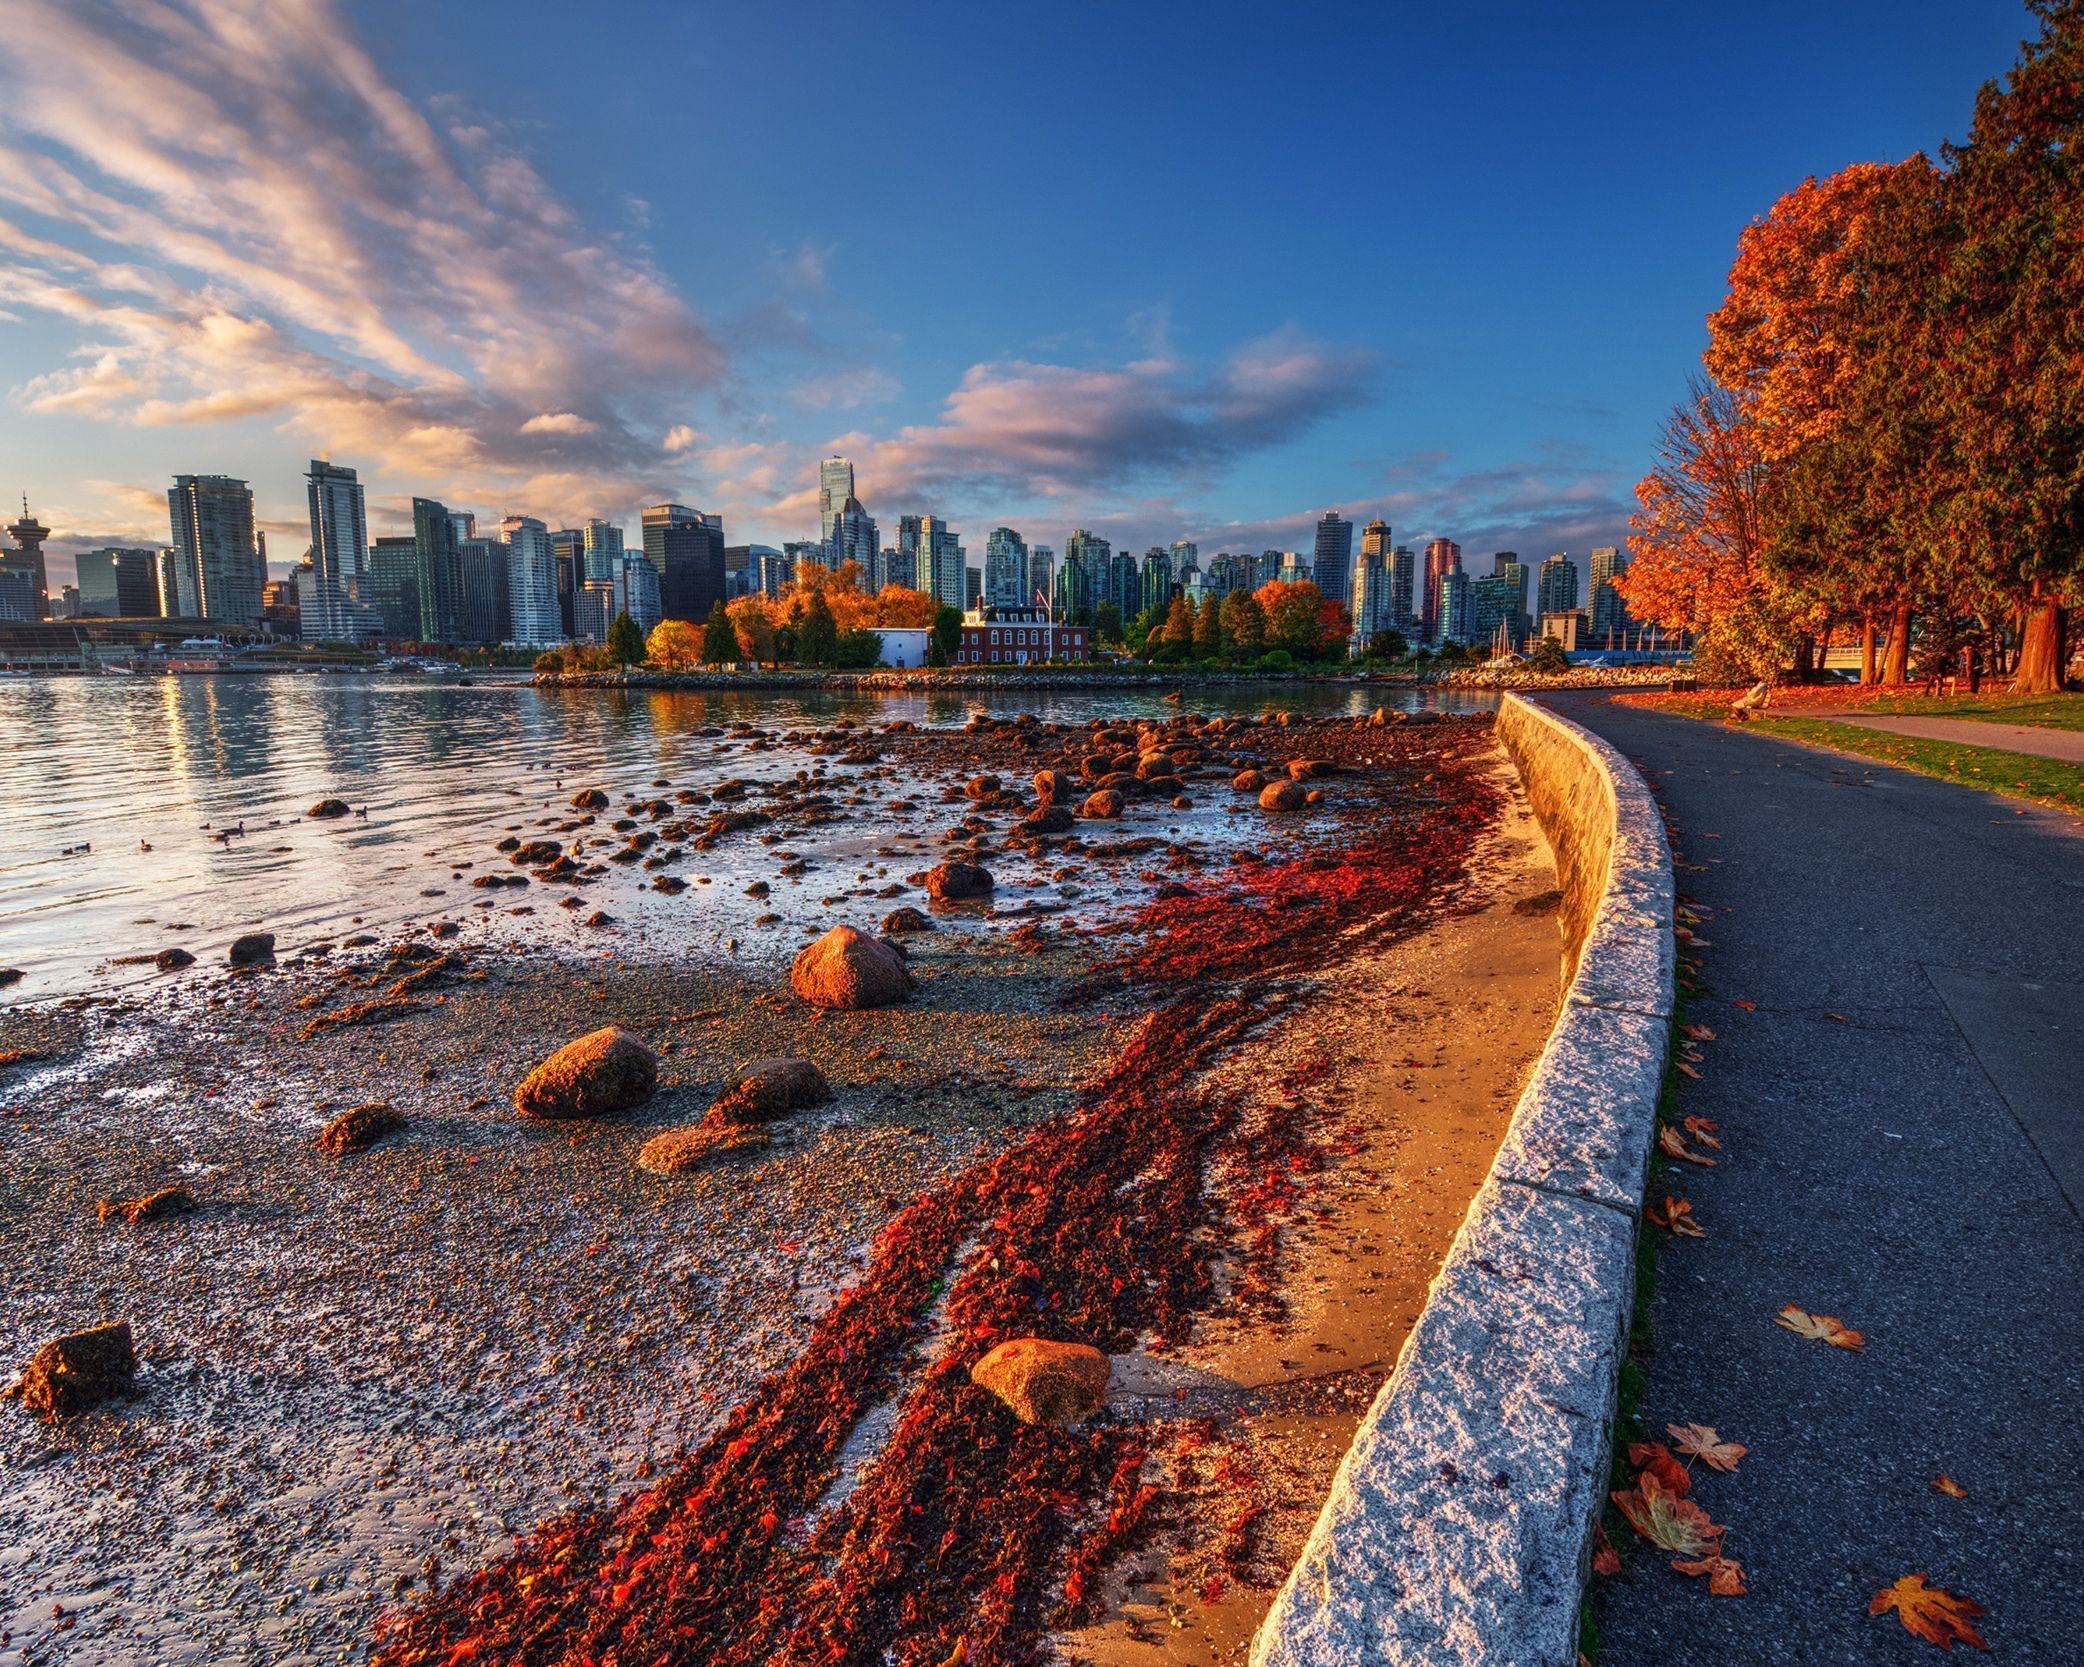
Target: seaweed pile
(970,1536)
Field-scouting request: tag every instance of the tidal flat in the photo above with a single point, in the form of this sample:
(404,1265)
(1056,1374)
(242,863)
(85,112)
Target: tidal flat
(445,1398)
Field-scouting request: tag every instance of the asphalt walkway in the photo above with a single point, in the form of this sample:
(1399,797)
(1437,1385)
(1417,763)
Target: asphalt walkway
(1894,972)
(2065,744)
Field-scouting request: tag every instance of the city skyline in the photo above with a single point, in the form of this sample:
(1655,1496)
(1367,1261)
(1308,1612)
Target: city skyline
(347,253)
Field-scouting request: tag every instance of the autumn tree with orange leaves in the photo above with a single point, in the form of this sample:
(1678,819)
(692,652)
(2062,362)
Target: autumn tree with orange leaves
(1891,435)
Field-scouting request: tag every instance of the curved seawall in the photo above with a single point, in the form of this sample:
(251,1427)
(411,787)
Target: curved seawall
(1459,1526)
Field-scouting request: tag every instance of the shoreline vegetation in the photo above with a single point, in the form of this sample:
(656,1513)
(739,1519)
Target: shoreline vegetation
(889,679)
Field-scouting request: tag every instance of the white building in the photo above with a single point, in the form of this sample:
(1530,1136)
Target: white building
(532,582)
(1006,570)
(902,646)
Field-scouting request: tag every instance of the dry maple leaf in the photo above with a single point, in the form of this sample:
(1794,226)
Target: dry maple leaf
(1699,1441)
(1823,1328)
(1666,1520)
(1700,1033)
(1687,1070)
(1748,1006)
(1931,1612)
(1703,1130)
(1725,1578)
(1655,1459)
(1677,1219)
(1947,1485)
(1605,1559)
(1674,1145)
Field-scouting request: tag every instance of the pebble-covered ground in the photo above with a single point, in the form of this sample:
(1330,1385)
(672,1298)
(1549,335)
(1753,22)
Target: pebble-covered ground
(364,1375)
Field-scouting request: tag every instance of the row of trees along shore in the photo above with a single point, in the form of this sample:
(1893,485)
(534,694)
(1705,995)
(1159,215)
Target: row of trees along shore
(1887,430)
(825,617)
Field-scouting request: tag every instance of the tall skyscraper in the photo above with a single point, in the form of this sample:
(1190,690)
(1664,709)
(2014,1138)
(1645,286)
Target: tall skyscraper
(1006,570)
(901,560)
(1558,585)
(941,558)
(1453,617)
(1333,560)
(26,560)
(1506,565)
(603,551)
(1082,584)
(1041,575)
(1443,556)
(1159,566)
(1403,588)
(856,538)
(532,582)
(1185,554)
(212,519)
(835,487)
(437,572)
(1610,621)
(686,549)
(117,583)
(339,552)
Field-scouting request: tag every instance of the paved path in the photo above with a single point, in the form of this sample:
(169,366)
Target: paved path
(2065,744)
(1903,1127)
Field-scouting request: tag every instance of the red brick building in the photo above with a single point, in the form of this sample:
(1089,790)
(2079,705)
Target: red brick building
(1019,637)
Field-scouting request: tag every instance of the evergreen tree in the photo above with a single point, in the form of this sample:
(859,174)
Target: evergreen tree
(1244,622)
(1208,629)
(817,633)
(625,646)
(945,636)
(719,639)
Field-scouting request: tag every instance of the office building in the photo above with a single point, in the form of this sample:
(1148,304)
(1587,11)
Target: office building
(1443,556)
(1041,576)
(118,583)
(1006,569)
(603,551)
(686,550)
(26,560)
(1452,618)
(835,487)
(939,561)
(1403,587)
(212,518)
(393,587)
(1495,612)
(1506,565)
(855,539)
(1558,591)
(437,572)
(1332,562)
(19,602)
(485,614)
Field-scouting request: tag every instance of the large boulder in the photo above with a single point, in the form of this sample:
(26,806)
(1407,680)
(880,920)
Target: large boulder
(846,969)
(1045,1382)
(1283,795)
(606,1070)
(326,808)
(1248,781)
(907,919)
(591,798)
(173,960)
(1049,784)
(771,1088)
(950,882)
(1103,806)
(982,787)
(1049,819)
(72,1374)
(358,1128)
(253,949)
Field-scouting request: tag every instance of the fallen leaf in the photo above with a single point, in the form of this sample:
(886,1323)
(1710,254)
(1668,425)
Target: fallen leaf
(1688,1070)
(1948,1486)
(1674,1144)
(1668,1521)
(1931,1612)
(1700,1033)
(1653,1458)
(1703,1130)
(1605,1559)
(1699,1441)
(1677,1219)
(1725,1578)
(1840,1017)
(1824,1328)
(1748,1006)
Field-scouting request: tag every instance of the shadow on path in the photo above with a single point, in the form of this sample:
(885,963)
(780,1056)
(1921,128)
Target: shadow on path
(1902,1117)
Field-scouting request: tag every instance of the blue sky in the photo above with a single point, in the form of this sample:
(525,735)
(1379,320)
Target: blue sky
(1158,271)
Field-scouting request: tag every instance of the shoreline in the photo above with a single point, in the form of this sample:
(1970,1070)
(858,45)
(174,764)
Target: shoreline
(912,679)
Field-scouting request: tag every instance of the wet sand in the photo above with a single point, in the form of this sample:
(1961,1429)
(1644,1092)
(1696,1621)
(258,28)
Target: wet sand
(362,1375)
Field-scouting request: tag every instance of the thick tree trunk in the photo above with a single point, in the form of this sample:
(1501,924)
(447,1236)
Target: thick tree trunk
(1895,664)
(1867,648)
(2043,650)
(1805,658)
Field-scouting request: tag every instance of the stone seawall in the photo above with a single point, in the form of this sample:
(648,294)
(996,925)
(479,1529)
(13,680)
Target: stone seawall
(1459,1527)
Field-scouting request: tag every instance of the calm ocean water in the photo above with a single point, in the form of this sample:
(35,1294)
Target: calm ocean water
(93,768)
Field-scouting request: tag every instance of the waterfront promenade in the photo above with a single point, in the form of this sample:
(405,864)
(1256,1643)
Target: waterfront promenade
(1893,974)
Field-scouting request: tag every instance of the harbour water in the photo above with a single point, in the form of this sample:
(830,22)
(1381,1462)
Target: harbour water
(136,813)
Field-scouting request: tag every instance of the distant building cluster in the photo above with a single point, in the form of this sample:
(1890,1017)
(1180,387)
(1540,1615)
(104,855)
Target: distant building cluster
(525,584)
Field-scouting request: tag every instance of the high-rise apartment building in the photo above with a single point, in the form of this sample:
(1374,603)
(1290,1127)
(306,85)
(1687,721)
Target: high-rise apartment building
(118,583)
(1558,585)
(1610,621)
(1506,565)
(1333,559)
(535,619)
(603,551)
(394,586)
(1041,576)
(1452,620)
(1403,588)
(686,550)
(1006,570)
(940,561)
(1443,556)
(437,572)
(485,613)
(212,519)
(1185,554)
(856,539)
(339,553)
(835,487)
(1159,565)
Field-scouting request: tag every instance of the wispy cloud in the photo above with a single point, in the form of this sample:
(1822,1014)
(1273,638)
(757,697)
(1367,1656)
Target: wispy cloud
(238,216)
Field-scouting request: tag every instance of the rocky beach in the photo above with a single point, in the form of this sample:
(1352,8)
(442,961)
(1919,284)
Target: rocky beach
(1199,1031)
